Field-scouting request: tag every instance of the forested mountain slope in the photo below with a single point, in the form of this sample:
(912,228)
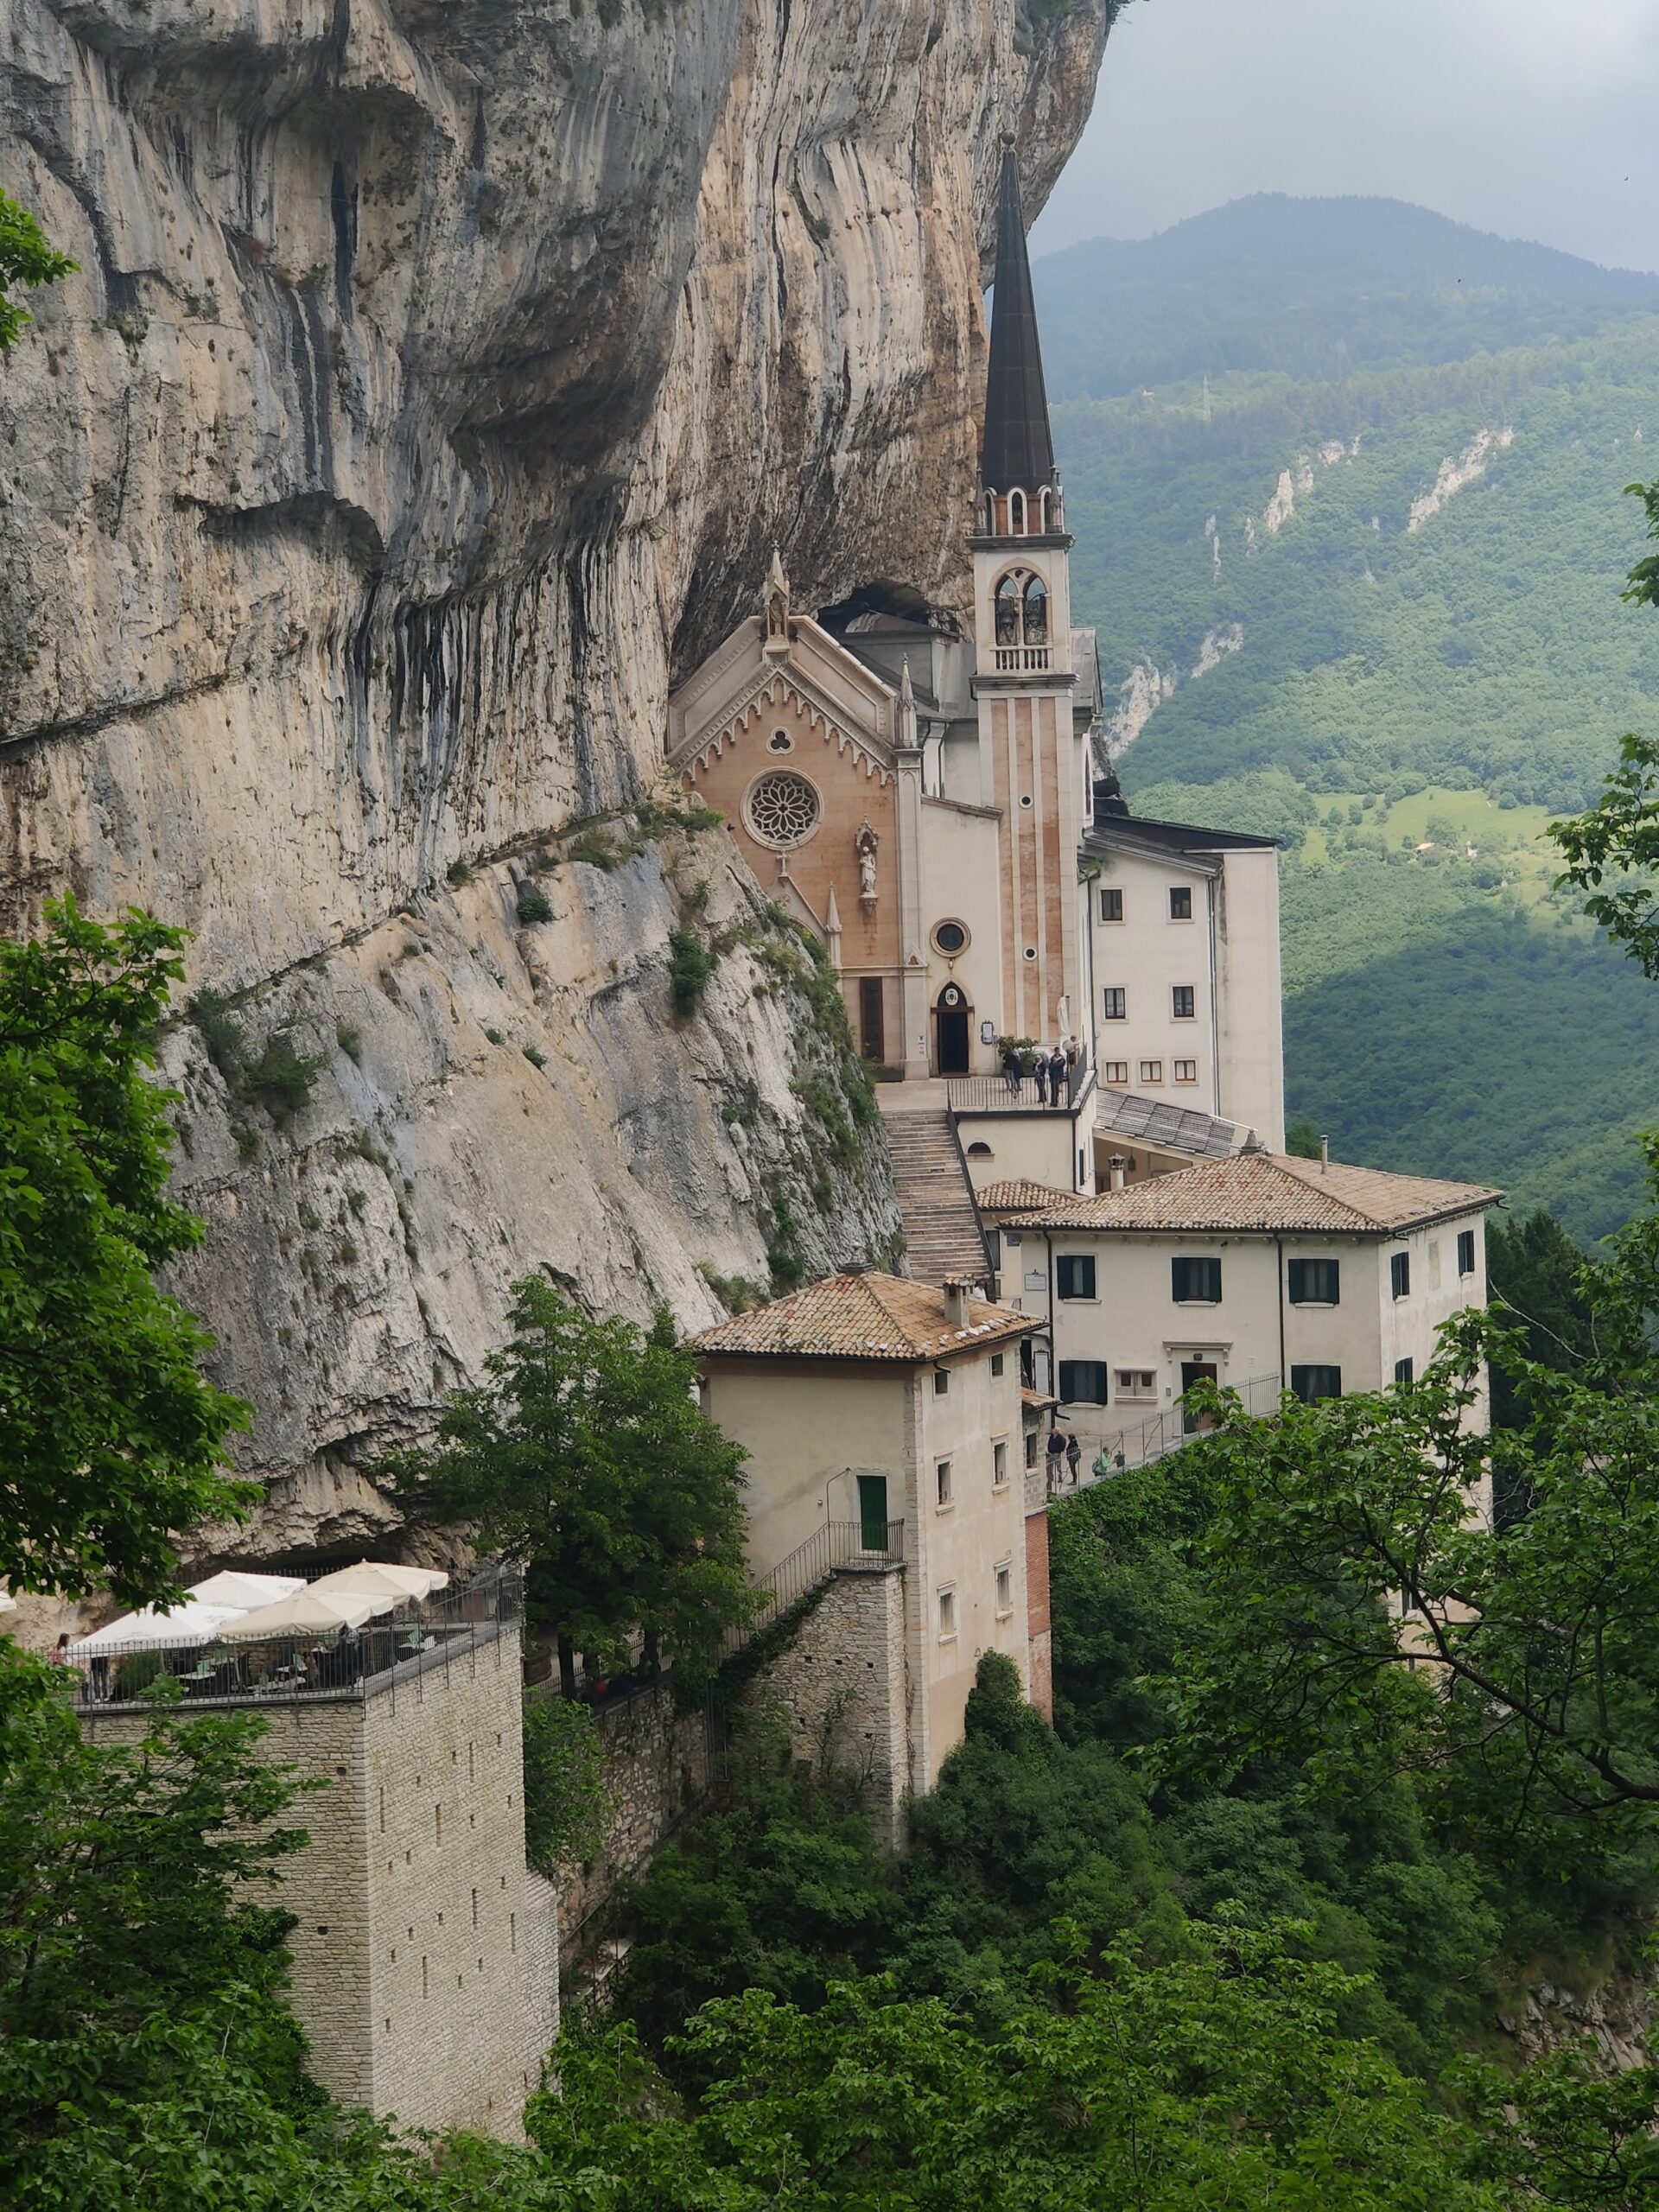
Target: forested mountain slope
(1346,479)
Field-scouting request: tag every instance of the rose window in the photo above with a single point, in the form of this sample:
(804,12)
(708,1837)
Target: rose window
(783,810)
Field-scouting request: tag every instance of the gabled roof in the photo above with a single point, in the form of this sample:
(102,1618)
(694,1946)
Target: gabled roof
(1023,1196)
(1173,1129)
(1017,449)
(861,1316)
(1270,1192)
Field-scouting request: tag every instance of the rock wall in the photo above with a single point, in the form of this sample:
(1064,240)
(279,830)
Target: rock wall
(438,380)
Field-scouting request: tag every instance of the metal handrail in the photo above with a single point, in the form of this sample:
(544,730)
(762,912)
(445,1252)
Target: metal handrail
(837,1544)
(1163,1433)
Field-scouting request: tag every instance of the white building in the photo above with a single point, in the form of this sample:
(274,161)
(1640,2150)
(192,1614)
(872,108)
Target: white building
(1257,1272)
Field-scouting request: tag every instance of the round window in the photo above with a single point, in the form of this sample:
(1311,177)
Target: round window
(782,809)
(780,741)
(950,937)
(1031,952)
(1025,798)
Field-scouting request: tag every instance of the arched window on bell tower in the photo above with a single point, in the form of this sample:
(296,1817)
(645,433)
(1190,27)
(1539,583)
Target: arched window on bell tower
(1020,604)
(1034,613)
(1007,611)
(1016,514)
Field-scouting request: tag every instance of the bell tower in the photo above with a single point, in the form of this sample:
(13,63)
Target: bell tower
(1033,761)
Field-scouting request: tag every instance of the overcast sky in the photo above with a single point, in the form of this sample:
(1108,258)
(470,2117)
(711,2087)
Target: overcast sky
(1535,118)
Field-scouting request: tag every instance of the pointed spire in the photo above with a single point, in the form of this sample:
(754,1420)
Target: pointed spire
(1017,451)
(906,737)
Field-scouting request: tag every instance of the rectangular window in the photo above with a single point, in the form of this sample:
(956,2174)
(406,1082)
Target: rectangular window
(941,1381)
(1181,903)
(1400,1274)
(1315,1282)
(871,1026)
(1195,1282)
(999,1462)
(873,1513)
(1136,1382)
(1111,904)
(1311,1384)
(1115,1071)
(1403,1371)
(947,1614)
(1083,1381)
(1183,1002)
(942,1482)
(1074,1274)
(1032,1440)
(1151,1071)
(1004,1591)
(1186,1071)
(997,1357)
(1115,1004)
(1465,1251)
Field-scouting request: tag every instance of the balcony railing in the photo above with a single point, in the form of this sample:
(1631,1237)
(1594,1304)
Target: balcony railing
(328,1665)
(995,1094)
(1137,1444)
(1016,660)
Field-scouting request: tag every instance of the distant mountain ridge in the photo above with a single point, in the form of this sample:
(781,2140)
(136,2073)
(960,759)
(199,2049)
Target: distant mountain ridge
(1314,287)
(1351,534)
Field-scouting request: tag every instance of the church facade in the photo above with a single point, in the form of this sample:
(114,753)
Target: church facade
(925,801)
(916,796)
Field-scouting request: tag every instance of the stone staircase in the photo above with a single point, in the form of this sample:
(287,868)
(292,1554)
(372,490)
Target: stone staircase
(942,1234)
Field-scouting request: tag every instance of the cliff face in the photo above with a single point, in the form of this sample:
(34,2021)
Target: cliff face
(440,376)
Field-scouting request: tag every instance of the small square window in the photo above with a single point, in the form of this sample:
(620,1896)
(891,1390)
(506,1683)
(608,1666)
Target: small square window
(1113,1070)
(1181,903)
(996,1356)
(1004,1590)
(1031,1441)
(947,1614)
(1315,1282)
(1465,1251)
(1111,904)
(1151,1071)
(1115,1004)
(941,1381)
(999,1462)
(1403,1371)
(942,1482)
(1136,1382)
(1186,1071)
(1400,1274)
(1083,1381)
(1183,1002)
(1075,1274)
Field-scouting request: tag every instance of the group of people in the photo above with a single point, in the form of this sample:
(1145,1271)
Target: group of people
(1053,1069)
(1065,1456)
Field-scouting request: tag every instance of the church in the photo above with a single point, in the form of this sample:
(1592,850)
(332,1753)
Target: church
(928,804)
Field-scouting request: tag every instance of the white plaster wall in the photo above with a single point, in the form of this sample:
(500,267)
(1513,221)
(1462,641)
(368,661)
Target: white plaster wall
(1147,955)
(960,881)
(1250,995)
(1028,1145)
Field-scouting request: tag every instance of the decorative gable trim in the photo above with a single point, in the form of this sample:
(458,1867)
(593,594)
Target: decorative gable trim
(772,688)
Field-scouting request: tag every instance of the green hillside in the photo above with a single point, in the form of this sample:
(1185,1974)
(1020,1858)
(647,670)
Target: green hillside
(1391,595)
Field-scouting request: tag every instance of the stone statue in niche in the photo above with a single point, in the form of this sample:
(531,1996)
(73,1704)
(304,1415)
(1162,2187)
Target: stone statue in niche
(864,844)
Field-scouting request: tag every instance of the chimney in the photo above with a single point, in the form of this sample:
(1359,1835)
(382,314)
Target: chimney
(1117,1163)
(1325,1155)
(956,1297)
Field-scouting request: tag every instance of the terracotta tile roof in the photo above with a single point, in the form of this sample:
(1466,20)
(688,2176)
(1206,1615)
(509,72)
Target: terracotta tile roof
(1023,1196)
(1272,1193)
(861,1316)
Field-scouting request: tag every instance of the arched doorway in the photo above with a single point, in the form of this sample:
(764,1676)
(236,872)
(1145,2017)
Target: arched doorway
(953,1014)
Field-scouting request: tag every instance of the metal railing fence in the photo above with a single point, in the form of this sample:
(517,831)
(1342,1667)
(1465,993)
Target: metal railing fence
(1136,1445)
(837,1544)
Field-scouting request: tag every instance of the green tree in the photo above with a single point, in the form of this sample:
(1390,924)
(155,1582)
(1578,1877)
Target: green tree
(1533,1272)
(1522,1676)
(27,259)
(585,1455)
(1302,1137)
(565,1804)
(112,1442)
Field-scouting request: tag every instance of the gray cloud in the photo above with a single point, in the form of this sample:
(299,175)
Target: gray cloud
(1531,117)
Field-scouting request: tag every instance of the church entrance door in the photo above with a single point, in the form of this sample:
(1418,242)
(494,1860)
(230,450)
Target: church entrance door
(953,1016)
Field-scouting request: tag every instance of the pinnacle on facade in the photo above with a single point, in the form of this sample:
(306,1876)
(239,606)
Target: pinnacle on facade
(1018,450)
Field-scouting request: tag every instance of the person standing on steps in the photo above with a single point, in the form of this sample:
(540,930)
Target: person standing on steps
(1057,1078)
(1056,1456)
(1073,1456)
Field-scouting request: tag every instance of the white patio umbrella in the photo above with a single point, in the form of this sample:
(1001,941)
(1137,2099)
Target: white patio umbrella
(182,1626)
(239,1589)
(308,1612)
(380,1579)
